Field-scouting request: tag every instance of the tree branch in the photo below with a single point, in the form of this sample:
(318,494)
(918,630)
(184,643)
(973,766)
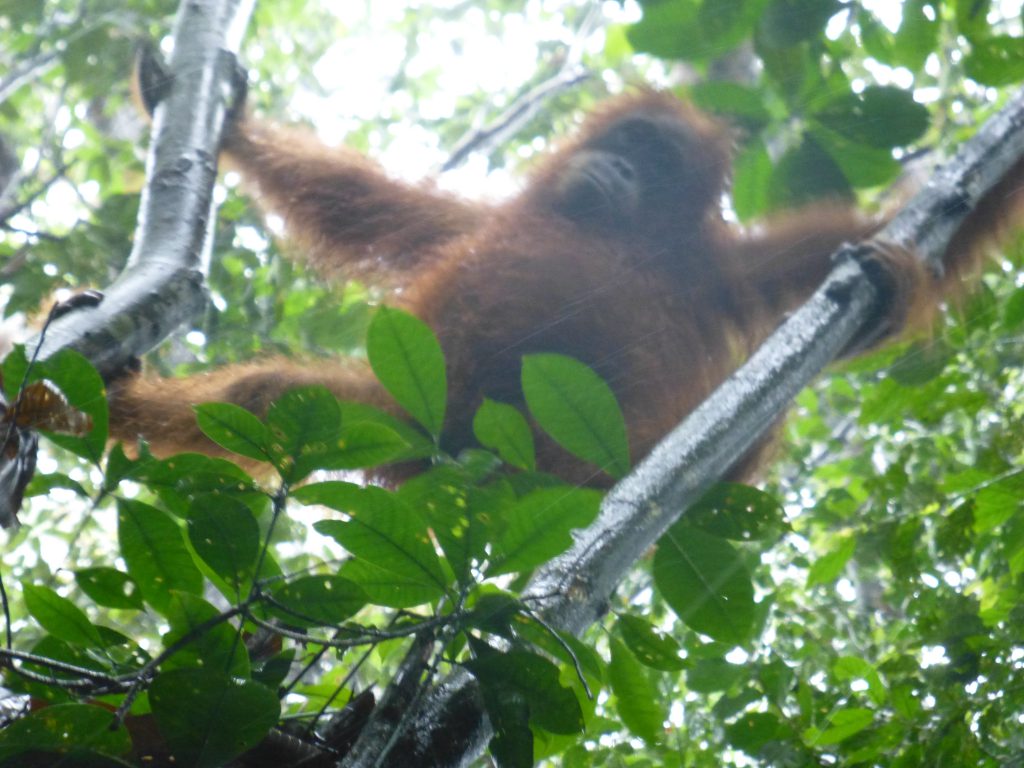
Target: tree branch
(162,286)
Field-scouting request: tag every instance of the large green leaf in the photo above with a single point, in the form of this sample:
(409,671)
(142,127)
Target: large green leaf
(214,645)
(537,527)
(154,551)
(704,580)
(379,530)
(303,424)
(312,601)
(109,587)
(457,512)
(387,588)
(224,533)
(407,359)
(739,512)
(232,427)
(208,717)
(60,617)
(534,679)
(574,405)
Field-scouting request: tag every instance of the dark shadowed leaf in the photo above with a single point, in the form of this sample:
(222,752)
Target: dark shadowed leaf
(387,588)
(739,512)
(312,601)
(224,533)
(651,647)
(533,679)
(109,587)
(214,644)
(209,718)
(67,729)
(842,724)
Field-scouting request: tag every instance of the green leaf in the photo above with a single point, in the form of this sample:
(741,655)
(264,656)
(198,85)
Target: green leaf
(921,363)
(1013,310)
(843,724)
(60,617)
(224,533)
(714,675)
(457,512)
(573,404)
(739,512)
(755,730)
(408,361)
(315,601)
(862,165)
(828,567)
(741,104)
(232,427)
(636,695)
(73,730)
(303,425)
(997,503)
(705,582)
(41,485)
(387,588)
(181,478)
(788,22)
(537,527)
(110,588)
(669,30)
(854,668)
(918,36)
(380,529)
(651,647)
(358,446)
(752,175)
(208,717)
(214,645)
(154,551)
(534,679)
(879,116)
(807,173)
(355,415)
(996,61)
(502,428)
(972,19)
(119,467)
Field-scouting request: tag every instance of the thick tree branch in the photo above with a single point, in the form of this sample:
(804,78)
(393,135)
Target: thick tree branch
(573,590)
(162,286)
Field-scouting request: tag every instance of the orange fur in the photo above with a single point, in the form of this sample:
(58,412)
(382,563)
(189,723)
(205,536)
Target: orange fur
(663,301)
